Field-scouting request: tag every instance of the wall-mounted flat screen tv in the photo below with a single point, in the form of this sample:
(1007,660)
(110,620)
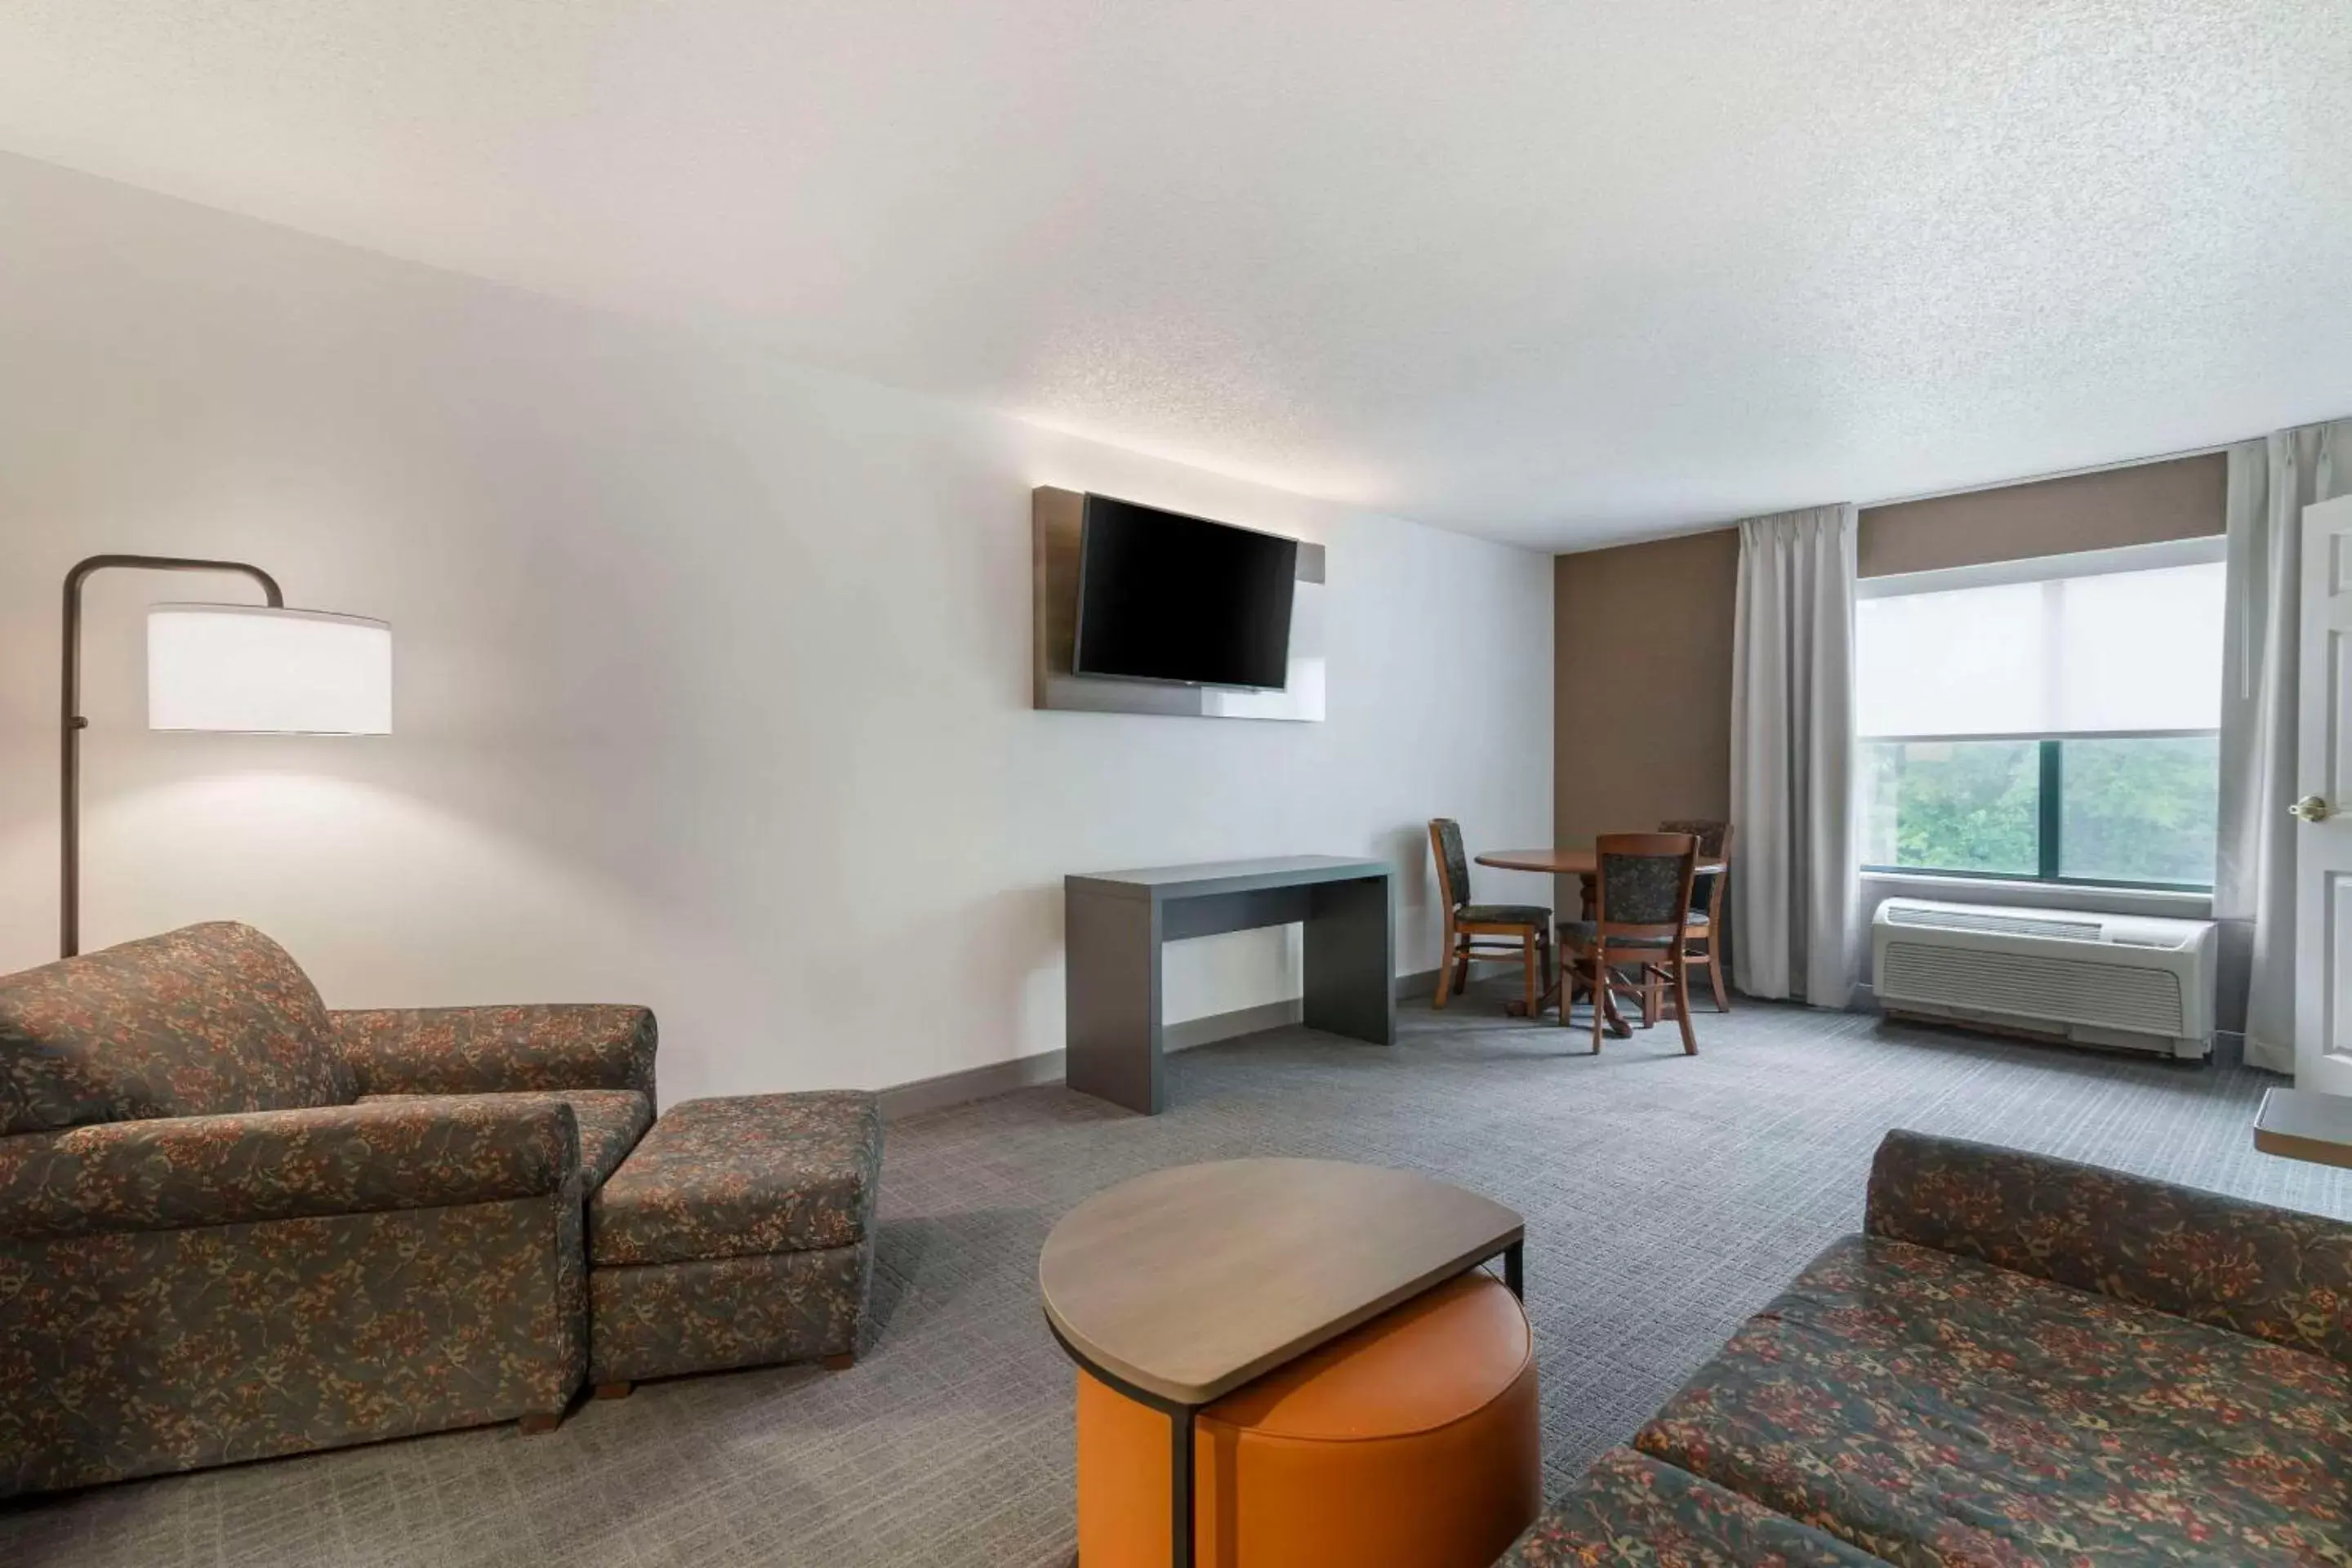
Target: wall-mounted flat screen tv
(1163,597)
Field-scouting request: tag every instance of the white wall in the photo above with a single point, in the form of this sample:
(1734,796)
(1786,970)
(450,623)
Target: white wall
(712,671)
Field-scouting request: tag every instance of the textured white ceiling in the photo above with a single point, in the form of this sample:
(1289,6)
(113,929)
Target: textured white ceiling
(1555,273)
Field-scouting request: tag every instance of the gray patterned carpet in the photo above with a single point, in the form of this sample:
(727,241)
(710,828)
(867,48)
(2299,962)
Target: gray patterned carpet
(1666,1198)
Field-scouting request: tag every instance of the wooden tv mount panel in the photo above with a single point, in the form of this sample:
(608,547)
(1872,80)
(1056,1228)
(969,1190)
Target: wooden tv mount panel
(1054,520)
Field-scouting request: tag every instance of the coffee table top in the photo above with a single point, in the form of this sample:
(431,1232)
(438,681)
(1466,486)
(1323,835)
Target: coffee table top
(2303,1124)
(1192,1281)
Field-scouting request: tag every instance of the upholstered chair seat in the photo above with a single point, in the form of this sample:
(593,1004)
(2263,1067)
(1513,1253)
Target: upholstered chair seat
(1585,931)
(1502,915)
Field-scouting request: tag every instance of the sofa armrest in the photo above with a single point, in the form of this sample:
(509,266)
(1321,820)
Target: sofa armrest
(491,1050)
(172,1172)
(2273,1273)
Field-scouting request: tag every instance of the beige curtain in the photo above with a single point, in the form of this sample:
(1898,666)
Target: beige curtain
(2271,482)
(1795,883)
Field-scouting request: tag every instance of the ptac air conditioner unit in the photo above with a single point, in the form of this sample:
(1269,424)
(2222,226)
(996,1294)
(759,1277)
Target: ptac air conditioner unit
(2123,981)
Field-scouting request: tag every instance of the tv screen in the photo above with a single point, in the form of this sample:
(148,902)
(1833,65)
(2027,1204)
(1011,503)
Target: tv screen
(1163,597)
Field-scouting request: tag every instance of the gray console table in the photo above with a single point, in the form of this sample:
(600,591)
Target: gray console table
(1116,922)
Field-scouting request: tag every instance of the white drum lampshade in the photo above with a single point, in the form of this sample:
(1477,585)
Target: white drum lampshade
(268,671)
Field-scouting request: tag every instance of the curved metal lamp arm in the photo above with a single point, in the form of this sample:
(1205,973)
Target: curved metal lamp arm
(72,723)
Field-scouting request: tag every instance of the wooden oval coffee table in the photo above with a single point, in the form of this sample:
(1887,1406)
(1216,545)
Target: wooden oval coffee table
(1179,1287)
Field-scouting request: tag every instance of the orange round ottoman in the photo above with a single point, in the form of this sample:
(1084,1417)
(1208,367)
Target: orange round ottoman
(1409,1442)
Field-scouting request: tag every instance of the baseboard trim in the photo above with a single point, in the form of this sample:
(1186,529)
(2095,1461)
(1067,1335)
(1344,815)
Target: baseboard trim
(1422,984)
(968,1084)
(1208,1031)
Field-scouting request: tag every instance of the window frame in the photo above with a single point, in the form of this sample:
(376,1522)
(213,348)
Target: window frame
(2050,786)
(2050,783)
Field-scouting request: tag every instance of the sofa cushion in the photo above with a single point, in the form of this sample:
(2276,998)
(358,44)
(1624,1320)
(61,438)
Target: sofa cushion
(203,1021)
(1631,1511)
(1933,1409)
(611,1121)
(733,1178)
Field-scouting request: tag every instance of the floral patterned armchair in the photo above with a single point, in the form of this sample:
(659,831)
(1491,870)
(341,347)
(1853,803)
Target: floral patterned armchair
(234,1223)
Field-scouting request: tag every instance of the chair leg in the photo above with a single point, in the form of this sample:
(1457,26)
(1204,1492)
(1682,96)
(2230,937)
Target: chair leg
(1600,994)
(1715,978)
(1531,969)
(1681,1006)
(1445,966)
(1617,1024)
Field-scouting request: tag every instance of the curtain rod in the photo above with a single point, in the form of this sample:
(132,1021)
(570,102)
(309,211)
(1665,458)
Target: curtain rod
(2044,478)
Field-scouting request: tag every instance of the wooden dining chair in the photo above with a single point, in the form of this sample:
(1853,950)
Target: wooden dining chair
(1707,902)
(1493,933)
(1641,919)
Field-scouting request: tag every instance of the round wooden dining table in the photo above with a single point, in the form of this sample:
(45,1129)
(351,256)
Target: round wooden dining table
(1565,862)
(1582,863)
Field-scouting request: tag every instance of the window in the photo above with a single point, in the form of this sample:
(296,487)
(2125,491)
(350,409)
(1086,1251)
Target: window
(2061,730)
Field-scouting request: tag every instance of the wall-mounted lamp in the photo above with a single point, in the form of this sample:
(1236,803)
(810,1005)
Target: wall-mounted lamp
(250,668)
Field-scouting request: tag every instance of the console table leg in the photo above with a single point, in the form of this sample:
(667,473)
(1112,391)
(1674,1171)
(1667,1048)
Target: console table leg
(1350,945)
(1112,994)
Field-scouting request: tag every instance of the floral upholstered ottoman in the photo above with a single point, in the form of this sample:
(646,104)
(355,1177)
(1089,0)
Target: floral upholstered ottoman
(738,1232)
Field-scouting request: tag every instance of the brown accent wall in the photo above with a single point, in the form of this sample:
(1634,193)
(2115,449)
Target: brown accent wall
(1641,683)
(1642,633)
(2143,505)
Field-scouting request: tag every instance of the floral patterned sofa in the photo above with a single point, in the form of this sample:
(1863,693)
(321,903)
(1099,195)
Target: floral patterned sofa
(2021,1361)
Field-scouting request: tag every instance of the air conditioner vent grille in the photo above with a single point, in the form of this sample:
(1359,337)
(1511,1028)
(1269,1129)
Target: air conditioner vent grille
(2007,924)
(2060,990)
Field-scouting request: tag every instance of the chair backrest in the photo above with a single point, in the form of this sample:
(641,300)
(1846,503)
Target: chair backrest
(1642,883)
(201,1021)
(1453,862)
(1714,837)
(1714,844)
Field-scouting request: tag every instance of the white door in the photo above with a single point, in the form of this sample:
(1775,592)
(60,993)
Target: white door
(2323,847)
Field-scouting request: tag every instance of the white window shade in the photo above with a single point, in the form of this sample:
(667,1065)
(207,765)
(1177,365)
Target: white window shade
(238,667)
(2116,652)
